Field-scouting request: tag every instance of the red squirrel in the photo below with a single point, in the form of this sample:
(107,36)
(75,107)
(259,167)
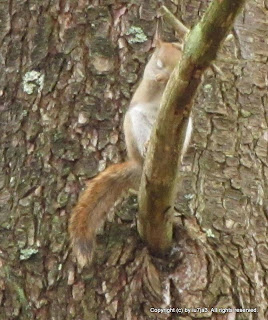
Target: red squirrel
(104,190)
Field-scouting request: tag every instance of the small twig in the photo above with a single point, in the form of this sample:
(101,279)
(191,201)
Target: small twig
(216,69)
(173,21)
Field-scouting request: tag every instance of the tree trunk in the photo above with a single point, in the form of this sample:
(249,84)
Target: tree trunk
(68,70)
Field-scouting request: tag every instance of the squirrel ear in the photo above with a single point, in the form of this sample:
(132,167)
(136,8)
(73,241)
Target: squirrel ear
(177,45)
(157,36)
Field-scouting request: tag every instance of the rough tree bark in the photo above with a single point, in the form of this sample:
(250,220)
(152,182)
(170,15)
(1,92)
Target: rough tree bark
(66,75)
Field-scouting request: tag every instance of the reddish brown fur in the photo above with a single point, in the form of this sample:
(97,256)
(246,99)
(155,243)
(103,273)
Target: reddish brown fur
(95,202)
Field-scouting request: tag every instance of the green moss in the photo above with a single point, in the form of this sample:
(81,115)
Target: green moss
(245,114)
(136,34)
(209,233)
(33,81)
(26,254)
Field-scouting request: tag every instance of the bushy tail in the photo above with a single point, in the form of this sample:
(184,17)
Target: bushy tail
(93,205)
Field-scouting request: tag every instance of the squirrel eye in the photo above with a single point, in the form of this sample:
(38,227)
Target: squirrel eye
(160,64)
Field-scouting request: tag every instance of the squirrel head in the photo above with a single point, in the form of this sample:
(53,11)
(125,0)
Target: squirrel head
(167,55)
(163,61)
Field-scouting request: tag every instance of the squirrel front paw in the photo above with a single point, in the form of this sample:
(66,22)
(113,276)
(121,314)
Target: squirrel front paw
(162,77)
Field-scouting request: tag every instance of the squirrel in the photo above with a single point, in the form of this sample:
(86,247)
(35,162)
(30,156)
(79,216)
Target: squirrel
(104,190)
